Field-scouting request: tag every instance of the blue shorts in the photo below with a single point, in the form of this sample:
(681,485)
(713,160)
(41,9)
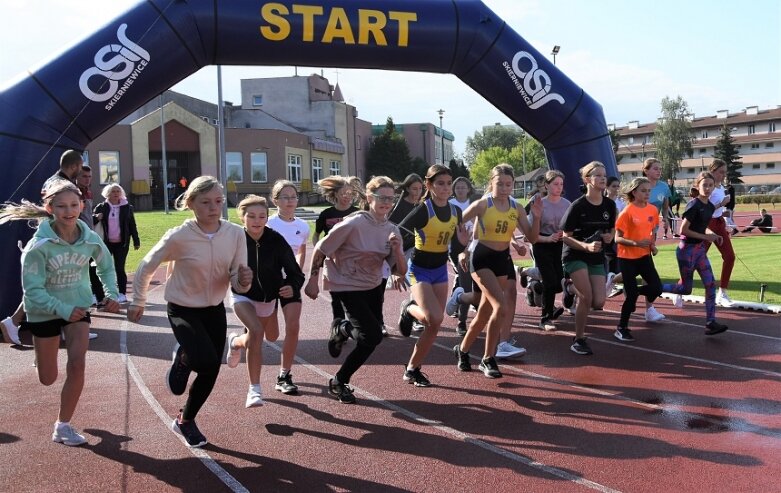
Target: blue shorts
(437,275)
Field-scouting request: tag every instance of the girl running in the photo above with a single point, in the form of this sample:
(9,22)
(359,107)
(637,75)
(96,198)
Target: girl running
(636,241)
(588,225)
(692,250)
(277,276)
(353,254)
(462,193)
(284,194)
(409,192)
(209,255)
(718,224)
(497,215)
(436,223)
(660,198)
(57,292)
(613,273)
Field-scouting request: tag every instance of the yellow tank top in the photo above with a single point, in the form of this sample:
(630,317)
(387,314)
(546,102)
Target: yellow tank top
(435,236)
(496,225)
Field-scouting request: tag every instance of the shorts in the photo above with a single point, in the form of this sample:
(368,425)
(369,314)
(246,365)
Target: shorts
(576,265)
(437,275)
(263,309)
(498,262)
(50,328)
(296,298)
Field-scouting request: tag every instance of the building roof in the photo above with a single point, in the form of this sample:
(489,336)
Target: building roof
(708,121)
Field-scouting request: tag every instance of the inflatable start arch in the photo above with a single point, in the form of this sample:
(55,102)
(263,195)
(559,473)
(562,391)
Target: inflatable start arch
(75,98)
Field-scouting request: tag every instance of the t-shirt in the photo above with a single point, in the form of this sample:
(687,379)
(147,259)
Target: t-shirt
(295,232)
(731,191)
(552,213)
(586,221)
(658,193)
(716,197)
(636,223)
(330,217)
(399,212)
(699,215)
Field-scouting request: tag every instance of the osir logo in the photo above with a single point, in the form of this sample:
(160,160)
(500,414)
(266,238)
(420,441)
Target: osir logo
(533,83)
(114,63)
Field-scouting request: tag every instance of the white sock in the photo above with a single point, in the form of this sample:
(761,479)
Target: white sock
(255,387)
(283,372)
(61,424)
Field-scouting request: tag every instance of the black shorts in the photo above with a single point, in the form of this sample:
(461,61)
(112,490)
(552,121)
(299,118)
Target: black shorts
(50,328)
(296,298)
(498,262)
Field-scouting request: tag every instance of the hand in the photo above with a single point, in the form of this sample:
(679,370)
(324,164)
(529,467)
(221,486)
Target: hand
(463,234)
(594,246)
(645,242)
(245,275)
(394,241)
(399,283)
(286,292)
(715,239)
(556,237)
(134,313)
(463,260)
(607,238)
(520,248)
(312,289)
(77,314)
(536,208)
(111,306)
(136,247)
(99,216)
(654,250)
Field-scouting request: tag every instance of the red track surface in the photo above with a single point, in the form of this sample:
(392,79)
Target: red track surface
(673,411)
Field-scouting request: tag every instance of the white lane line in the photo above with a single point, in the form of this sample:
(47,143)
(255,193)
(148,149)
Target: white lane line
(554,471)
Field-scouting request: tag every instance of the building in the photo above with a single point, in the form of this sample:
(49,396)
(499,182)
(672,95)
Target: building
(425,141)
(755,134)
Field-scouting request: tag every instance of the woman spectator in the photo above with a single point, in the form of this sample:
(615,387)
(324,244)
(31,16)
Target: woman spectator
(115,216)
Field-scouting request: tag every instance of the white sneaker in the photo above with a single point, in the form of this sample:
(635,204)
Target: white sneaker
(92,335)
(64,433)
(506,349)
(384,330)
(723,299)
(651,315)
(10,331)
(122,298)
(609,284)
(254,397)
(678,301)
(234,354)
(417,326)
(94,300)
(452,303)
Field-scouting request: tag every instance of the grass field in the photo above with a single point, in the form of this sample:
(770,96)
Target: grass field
(759,257)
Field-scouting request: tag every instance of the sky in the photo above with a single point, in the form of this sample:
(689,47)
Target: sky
(626,54)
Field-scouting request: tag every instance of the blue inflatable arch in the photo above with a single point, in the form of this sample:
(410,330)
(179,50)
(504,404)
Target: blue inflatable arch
(75,98)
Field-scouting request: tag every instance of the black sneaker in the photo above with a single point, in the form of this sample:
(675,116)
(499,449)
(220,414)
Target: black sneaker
(489,368)
(178,373)
(569,299)
(189,430)
(416,377)
(341,391)
(337,338)
(405,319)
(285,385)
(713,328)
(557,312)
(580,346)
(463,359)
(623,334)
(524,277)
(461,329)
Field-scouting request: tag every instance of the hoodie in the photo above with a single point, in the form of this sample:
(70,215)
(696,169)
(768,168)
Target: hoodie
(205,265)
(55,274)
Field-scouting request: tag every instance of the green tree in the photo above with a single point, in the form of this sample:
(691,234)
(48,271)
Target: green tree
(457,168)
(615,139)
(496,136)
(673,137)
(389,154)
(727,151)
(485,161)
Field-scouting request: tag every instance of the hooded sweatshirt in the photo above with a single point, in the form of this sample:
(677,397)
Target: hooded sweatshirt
(55,274)
(206,265)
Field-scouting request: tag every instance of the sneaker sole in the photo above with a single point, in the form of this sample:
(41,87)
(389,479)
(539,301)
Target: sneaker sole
(285,391)
(68,442)
(582,353)
(714,332)
(622,339)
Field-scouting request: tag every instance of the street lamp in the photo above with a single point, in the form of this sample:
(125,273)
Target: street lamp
(555,52)
(441,135)
(523,150)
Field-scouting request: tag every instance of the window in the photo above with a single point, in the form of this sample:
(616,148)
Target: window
(358,142)
(751,129)
(85,157)
(108,161)
(755,146)
(690,171)
(770,166)
(769,145)
(258,167)
(633,156)
(703,150)
(234,166)
(257,100)
(771,127)
(317,169)
(755,166)
(336,168)
(294,168)
(704,134)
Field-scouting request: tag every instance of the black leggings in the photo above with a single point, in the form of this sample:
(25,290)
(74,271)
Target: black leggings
(547,258)
(364,311)
(201,333)
(630,269)
(119,252)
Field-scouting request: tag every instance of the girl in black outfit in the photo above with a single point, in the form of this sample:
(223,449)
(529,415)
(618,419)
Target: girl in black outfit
(268,255)
(409,191)
(115,216)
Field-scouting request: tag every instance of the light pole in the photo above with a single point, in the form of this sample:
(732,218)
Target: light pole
(523,150)
(441,135)
(164,161)
(555,52)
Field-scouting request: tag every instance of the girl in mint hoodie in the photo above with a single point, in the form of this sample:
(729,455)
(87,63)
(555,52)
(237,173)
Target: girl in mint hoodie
(57,291)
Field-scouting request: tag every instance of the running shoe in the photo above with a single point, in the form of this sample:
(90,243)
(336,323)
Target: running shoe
(341,391)
(610,282)
(506,349)
(65,434)
(285,385)
(384,330)
(651,315)
(416,377)
(452,303)
(713,327)
(461,329)
(178,373)
(405,319)
(623,334)
(189,430)
(489,368)
(254,397)
(522,276)
(10,331)
(462,358)
(723,299)
(234,354)
(122,298)
(678,301)
(569,298)
(547,325)
(557,312)
(337,337)
(615,291)
(418,326)
(580,346)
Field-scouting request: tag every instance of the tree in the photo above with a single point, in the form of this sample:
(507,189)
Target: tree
(727,151)
(672,137)
(527,151)
(485,161)
(457,168)
(389,154)
(496,136)
(615,139)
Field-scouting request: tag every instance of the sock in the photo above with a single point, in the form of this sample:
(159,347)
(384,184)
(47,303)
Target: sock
(410,368)
(255,387)
(60,424)
(283,372)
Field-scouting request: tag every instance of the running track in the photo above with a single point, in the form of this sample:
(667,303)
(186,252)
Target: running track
(673,411)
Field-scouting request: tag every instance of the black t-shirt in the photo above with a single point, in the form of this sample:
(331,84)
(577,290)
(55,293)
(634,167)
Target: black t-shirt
(330,217)
(587,221)
(399,212)
(699,215)
(731,191)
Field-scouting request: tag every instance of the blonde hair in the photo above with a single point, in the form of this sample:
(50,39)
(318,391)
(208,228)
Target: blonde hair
(36,213)
(251,200)
(586,170)
(362,202)
(279,185)
(695,189)
(501,169)
(110,187)
(716,164)
(332,185)
(378,182)
(629,191)
(198,186)
(648,163)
